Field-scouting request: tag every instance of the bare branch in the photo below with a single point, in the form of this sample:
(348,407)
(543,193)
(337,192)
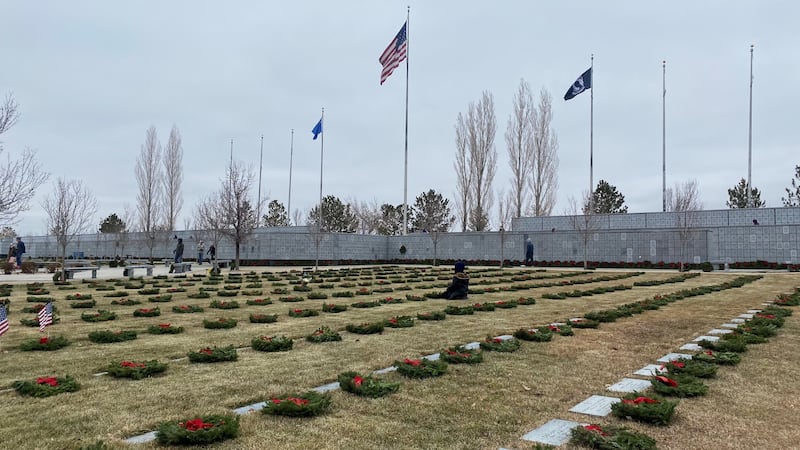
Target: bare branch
(544,180)
(476,163)
(70,211)
(463,173)
(18,182)
(583,220)
(519,142)
(238,210)
(173,179)
(8,113)
(148,176)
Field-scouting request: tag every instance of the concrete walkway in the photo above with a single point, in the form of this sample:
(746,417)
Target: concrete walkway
(104,272)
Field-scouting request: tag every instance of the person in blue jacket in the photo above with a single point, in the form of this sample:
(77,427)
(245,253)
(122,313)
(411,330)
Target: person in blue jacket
(528,252)
(20,251)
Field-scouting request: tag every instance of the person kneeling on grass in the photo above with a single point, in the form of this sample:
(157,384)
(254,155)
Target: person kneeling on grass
(459,287)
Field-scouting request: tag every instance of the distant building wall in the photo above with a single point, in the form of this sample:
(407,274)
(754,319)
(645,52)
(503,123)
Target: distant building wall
(716,236)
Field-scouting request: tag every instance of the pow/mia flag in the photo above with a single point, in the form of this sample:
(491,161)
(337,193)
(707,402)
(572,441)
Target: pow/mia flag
(583,83)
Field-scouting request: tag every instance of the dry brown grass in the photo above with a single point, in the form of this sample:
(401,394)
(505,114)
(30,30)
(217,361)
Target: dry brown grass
(480,406)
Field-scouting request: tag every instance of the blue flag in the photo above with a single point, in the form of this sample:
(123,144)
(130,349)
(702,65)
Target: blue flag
(583,83)
(317,129)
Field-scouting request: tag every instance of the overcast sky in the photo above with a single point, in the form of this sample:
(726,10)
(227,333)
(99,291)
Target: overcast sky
(91,76)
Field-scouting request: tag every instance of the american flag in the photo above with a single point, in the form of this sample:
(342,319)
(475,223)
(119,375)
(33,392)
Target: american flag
(394,53)
(45,316)
(3,320)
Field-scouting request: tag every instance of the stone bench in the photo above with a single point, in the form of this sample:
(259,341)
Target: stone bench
(129,270)
(181,267)
(70,271)
(222,262)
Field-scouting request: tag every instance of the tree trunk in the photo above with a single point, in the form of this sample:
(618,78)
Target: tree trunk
(236,266)
(63,262)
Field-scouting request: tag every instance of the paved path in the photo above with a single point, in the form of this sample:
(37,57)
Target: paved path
(104,272)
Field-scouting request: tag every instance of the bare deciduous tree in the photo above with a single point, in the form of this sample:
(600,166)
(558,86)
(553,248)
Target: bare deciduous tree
(584,221)
(122,238)
(148,176)
(368,215)
(684,201)
(463,173)
(70,211)
(297,217)
(208,220)
(8,113)
(19,178)
(433,217)
(173,179)
(544,180)
(238,210)
(18,182)
(519,141)
(505,209)
(475,153)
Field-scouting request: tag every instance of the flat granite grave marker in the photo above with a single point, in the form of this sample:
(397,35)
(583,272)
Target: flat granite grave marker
(554,432)
(650,370)
(753,311)
(673,356)
(596,405)
(327,387)
(706,338)
(730,325)
(630,385)
(691,347)
(719,331)
(746,316)
(738,320)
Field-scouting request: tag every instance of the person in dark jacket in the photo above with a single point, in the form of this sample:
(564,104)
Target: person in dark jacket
(459,287)
(528,252)
(20,251)
(179,251)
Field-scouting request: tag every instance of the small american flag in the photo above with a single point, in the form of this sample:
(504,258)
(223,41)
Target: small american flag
(45,316)
(3,320)
(394,53)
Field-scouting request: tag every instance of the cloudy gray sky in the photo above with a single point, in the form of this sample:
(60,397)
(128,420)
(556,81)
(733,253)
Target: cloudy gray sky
(92,76)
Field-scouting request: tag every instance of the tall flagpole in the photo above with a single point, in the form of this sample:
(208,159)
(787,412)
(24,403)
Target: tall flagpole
(260,169)
(663,136)
(750,136)
(291,154)
(319,208)
(230,182)
(321,149)
(405,169)
(591,129)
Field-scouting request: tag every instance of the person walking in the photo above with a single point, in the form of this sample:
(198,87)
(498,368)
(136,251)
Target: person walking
(212,250)
(201,250)
(528,252)
(20,251)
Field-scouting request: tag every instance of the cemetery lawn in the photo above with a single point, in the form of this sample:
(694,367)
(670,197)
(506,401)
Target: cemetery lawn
(472,406)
